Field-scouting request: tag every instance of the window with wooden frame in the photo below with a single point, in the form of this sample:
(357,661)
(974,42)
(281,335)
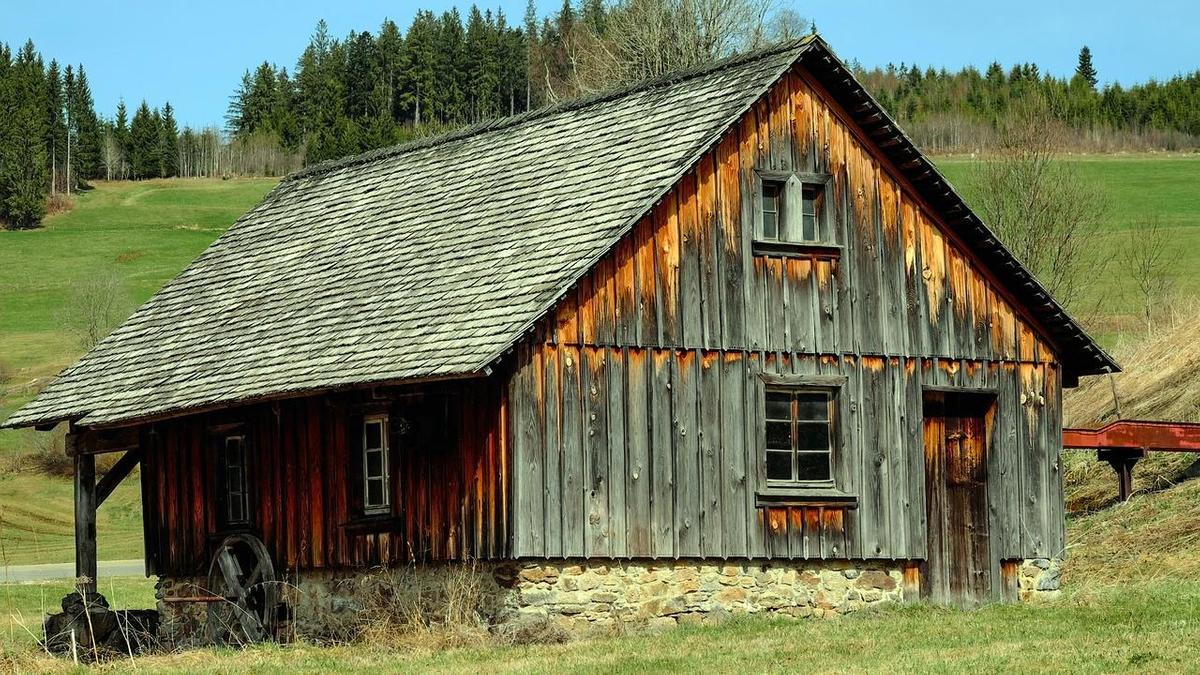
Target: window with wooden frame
(799,435)
(376,495)
(792,214)
(233,469)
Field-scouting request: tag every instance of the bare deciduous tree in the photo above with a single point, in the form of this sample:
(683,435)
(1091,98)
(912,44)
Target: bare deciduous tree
(97,303)
(648,38)
(1039,207)
(1149,256)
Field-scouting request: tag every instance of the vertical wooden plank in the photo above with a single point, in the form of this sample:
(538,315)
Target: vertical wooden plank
(709,242)
(804,306)
(689,263)
(616,360)
(901,499)
(573,487)
(646,279)
(688,487)
(914,441)
(596,476)
(553,442)
(752,416)
(933,253)
(1033,457)
(891,256)
(530,414)
(736,510)
(851,468)
(662,463)
(777,311)
(625,289)
(730,204)
(915,314)
(876,497)
(638,479)
(712,541)
(1051,419)
(666,238)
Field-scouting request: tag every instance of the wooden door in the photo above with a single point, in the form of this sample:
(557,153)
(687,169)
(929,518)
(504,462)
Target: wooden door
(959,565)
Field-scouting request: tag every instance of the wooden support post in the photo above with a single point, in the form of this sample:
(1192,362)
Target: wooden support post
(85,524)
(1122,461)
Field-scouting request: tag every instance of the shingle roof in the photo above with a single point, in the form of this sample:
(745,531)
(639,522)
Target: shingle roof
(430,259)
(424,260)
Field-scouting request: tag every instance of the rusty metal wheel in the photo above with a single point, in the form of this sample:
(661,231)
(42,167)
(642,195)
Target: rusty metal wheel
(242,576)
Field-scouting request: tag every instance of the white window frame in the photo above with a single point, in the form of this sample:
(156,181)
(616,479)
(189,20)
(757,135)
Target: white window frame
(385,506)
(241,495)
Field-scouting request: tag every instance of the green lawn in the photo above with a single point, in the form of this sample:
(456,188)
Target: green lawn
(1146,628)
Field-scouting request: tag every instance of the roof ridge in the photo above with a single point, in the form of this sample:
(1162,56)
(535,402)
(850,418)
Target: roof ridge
(510,121)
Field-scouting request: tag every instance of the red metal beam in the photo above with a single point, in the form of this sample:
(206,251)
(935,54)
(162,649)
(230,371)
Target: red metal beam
(1137,435)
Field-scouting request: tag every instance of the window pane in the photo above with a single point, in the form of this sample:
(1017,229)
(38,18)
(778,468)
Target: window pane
(813,406)
(233,478)
(810,227)
(779,465)
(374,492)
(770,226)
(812,466)
(374,437)
(233,451)
(779,435)
(779,405)
(374,463)
(235,511)
(812,436)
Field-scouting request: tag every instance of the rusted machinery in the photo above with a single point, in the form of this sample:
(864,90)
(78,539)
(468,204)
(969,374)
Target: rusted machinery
(1124,442)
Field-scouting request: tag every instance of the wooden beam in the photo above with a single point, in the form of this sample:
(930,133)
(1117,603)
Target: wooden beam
(116,474)
(85,523)
(99,441)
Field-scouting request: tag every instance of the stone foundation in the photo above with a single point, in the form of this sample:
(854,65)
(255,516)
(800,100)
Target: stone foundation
(1039,579)
(581,597)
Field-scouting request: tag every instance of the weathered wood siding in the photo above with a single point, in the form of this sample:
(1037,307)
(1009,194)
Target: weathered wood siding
(636,403)
(449,480)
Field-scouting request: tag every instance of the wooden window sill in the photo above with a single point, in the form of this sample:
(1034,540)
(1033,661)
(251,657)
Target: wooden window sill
(804,496)
(795,249)
(368,524)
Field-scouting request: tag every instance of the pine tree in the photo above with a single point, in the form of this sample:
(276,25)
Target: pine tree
(420,48)
(1085,69)
(121,135)
(168,143)
(56,126)
(23,176)
(143,142)
(87,129)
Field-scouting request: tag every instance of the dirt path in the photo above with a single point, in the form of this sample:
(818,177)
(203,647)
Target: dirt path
(46,572)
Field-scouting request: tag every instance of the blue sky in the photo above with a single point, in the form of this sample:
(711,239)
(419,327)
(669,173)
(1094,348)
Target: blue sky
(193,53)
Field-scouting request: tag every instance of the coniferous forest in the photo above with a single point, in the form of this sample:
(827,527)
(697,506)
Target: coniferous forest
(368,90)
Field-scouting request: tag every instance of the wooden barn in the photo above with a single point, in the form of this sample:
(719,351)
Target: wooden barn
(719,342)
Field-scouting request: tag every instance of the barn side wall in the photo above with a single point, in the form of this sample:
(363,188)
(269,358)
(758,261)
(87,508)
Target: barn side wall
(636,403)
(449,475)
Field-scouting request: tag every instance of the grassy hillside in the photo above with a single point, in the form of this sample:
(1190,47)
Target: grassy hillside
(1167,186)
(139,233)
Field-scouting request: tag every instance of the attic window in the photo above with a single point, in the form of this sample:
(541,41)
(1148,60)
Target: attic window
(793,216)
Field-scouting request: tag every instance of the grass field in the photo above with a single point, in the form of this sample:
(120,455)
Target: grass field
(1135,186)
(1146,628)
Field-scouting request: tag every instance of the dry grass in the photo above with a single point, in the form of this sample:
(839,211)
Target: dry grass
(1150,538)
(1160,381)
